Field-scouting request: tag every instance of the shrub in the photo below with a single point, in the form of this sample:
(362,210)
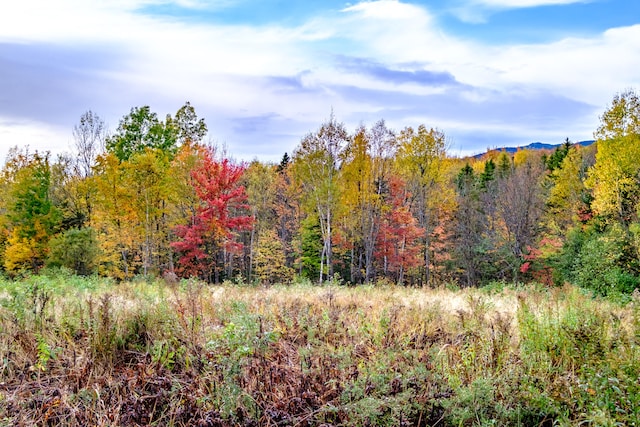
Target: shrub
(602,262)
(75,249)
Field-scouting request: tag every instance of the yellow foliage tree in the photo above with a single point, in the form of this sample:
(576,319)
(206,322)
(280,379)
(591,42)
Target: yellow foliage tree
(115,220)
(20,253)
(615,177)
(565,197)
(421,161)
(270,260)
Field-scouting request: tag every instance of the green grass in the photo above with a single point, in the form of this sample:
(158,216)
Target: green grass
(83,351)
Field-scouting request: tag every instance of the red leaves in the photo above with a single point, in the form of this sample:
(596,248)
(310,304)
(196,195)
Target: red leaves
(217,218)
(524,268)
(536,260)
(399,238)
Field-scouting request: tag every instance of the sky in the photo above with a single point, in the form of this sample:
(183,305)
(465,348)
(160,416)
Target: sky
(488,73)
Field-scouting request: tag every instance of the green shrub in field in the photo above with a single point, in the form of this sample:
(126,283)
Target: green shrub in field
(581,358)
(75,249)
(604,262)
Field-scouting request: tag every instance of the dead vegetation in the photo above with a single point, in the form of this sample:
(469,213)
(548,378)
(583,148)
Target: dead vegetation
(186,354)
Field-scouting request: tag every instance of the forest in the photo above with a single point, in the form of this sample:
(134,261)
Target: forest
(152,198)
(150,279)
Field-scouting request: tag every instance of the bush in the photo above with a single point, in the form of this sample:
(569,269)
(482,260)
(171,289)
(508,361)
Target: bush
(75,249)
(600,261)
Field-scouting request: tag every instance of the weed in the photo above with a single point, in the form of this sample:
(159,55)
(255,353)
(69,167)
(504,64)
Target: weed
(182,353)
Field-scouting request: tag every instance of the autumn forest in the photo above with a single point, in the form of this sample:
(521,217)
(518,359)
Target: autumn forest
(369,205)
(369,278)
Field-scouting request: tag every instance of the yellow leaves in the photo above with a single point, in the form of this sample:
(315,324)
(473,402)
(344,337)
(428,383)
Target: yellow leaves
(270,260)
(260,183)
(419,153)
(20,252)
(614,177)
(564,197)
(622,118)
(110,256)
(129,209)
(182,196)
(520,157)
(447,194)
(25,251)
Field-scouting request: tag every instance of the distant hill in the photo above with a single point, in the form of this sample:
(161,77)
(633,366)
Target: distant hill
(532,146)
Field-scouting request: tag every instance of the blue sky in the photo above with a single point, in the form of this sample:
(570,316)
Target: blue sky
(264,73)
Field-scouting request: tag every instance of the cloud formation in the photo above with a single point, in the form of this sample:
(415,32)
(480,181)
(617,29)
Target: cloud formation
(262,86)
(512,4)
(409,74)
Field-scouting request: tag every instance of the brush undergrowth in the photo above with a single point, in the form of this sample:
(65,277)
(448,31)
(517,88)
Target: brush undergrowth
(81,352)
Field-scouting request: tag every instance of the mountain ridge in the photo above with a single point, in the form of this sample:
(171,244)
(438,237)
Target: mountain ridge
(532,146)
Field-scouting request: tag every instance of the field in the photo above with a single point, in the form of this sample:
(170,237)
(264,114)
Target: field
(85,351)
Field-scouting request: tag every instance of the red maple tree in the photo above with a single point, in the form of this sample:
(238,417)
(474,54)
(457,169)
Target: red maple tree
(398,244)
(219,215)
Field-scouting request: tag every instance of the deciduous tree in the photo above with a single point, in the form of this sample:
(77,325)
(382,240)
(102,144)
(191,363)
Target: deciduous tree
(115,220)
(31,217)
(316,165)
(211,230)
(520,205)
(399,245)
(420,160)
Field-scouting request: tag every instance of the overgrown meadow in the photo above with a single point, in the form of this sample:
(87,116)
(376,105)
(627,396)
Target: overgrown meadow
(87,351)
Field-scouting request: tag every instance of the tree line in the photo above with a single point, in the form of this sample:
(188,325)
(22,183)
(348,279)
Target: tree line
(371,205)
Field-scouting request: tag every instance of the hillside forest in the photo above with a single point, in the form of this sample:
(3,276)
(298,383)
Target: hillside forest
(153,198)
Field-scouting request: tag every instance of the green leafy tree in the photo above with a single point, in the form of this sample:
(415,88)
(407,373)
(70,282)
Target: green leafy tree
(186,126)
(605,255)
(603,261)
(31,218)
(504,166)
(316,166)
(138,130)
(555,160)
(478,251)
(75,249)
(469,223)
(488,175)
(311,247)
(142,129)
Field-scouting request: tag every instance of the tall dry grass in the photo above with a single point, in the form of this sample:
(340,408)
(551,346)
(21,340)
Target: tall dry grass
(84,352)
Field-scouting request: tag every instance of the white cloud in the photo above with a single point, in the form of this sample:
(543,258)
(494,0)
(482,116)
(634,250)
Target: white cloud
(514,4)
(477,11)
(224,70)
(388,10)
(38,136)
(587,69)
